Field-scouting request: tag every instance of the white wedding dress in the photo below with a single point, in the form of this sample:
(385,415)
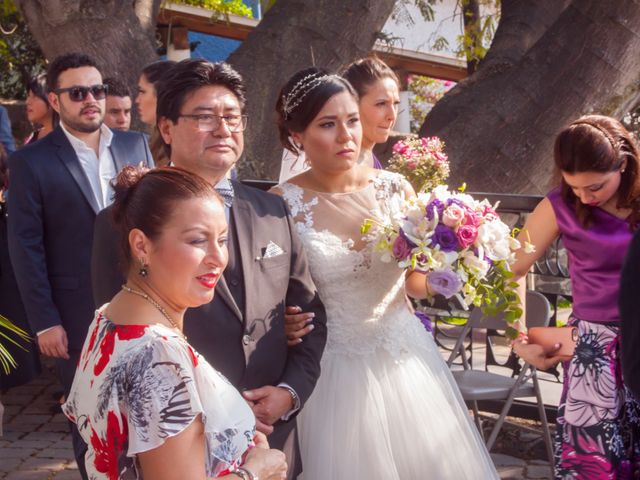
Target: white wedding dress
(386,406)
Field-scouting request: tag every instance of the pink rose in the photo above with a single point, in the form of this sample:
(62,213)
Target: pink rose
(471,218)
(412,164)
(489,214)
(441,157)
(467,234)
(400,147)
(453,215)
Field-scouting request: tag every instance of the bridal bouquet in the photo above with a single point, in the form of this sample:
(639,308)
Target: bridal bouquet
(422,161)
(460,244)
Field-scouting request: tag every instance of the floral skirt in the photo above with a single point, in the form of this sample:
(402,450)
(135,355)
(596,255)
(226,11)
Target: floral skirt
(598,424)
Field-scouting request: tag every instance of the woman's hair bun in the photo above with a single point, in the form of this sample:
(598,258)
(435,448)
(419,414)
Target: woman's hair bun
(123,186)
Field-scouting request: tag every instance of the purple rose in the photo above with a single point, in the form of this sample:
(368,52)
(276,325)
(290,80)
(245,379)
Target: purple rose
(401,248)
(444,282)
(445,237)
(439,207)
(455,201)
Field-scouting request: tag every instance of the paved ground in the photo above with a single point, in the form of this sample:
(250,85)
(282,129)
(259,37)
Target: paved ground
(36,443)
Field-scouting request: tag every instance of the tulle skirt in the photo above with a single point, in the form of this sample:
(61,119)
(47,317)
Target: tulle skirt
(378,416)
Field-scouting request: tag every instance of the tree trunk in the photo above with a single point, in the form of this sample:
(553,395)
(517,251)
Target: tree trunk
(291,36)
(500,138)
(521,26)
(472,32)
(119,34)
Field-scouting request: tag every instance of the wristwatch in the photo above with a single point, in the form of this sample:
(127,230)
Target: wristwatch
(294,396)
(245,474)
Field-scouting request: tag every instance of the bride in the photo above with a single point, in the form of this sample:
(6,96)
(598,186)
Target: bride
(386,406)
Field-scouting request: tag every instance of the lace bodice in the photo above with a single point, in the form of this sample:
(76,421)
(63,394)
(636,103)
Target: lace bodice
(364,297)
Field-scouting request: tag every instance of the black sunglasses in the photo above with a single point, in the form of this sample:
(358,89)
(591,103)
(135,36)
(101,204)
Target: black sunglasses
(79,94)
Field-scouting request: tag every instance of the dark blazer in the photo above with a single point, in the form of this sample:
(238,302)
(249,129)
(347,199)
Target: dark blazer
(630,316)
(247,345)
(52,210)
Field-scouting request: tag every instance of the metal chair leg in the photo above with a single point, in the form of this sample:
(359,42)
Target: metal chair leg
(507,406)
(546,432)
(476,418)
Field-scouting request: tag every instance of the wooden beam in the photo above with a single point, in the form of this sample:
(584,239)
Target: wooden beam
(238,28)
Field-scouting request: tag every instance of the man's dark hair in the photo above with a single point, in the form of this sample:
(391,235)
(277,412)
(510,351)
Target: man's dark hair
(66,62)
(187,76)
(116,87)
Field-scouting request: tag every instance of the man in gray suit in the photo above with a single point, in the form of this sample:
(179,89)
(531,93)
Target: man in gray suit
(58,185)
(241,332)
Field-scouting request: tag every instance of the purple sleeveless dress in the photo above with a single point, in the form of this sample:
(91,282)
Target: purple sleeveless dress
(598,423)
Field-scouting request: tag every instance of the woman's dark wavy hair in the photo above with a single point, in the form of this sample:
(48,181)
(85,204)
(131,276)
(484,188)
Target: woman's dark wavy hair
(145,199)
(596,143)
(311,101)
(38,86)
(154,71)
(364,72)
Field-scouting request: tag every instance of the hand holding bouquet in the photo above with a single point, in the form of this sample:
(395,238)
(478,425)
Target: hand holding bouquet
(460,244)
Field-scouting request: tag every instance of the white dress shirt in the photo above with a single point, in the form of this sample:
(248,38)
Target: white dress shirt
(101,169)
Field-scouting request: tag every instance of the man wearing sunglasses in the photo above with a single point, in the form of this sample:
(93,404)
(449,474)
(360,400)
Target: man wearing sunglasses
(58,185)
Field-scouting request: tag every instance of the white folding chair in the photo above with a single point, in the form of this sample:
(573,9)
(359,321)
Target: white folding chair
(478,385)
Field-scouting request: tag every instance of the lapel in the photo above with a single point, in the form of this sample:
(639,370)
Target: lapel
(222,290)
(68,157)
(119,152)
(243,216)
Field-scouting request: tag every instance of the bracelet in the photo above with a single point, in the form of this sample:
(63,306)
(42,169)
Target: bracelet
(294,396)
(245,474)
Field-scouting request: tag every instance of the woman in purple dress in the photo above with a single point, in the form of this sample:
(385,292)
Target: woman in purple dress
(595,210)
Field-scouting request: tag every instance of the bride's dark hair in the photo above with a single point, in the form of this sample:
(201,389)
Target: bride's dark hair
(302,98)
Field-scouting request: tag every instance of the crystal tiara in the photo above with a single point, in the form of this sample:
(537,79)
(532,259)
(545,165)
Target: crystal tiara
(300,90)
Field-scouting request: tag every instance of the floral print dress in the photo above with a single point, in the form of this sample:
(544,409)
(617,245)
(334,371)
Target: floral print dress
(137,385)
(598,422)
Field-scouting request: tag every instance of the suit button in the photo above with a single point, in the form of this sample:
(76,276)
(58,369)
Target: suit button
(234,282)
(246,340)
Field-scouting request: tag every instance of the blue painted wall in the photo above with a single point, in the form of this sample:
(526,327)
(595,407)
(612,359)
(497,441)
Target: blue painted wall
(217,49)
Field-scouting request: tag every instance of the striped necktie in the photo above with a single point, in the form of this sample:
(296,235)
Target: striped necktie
(226,192)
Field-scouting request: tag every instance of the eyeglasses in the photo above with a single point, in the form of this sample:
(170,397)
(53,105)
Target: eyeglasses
(208,122)
(80,94)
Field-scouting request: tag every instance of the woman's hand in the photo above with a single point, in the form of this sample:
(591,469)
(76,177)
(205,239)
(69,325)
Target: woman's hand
(536,355)
(297,324)
(266,463)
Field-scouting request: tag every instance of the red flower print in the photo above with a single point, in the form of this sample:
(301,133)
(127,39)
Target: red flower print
(108,450)
(194,358)
(124,333)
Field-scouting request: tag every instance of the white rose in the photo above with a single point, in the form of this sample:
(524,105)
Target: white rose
(453,215)
(477,266)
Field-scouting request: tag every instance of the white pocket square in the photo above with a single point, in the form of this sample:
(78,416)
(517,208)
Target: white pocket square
(272,250)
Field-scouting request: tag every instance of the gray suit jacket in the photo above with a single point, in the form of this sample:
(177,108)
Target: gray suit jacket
(247,345)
